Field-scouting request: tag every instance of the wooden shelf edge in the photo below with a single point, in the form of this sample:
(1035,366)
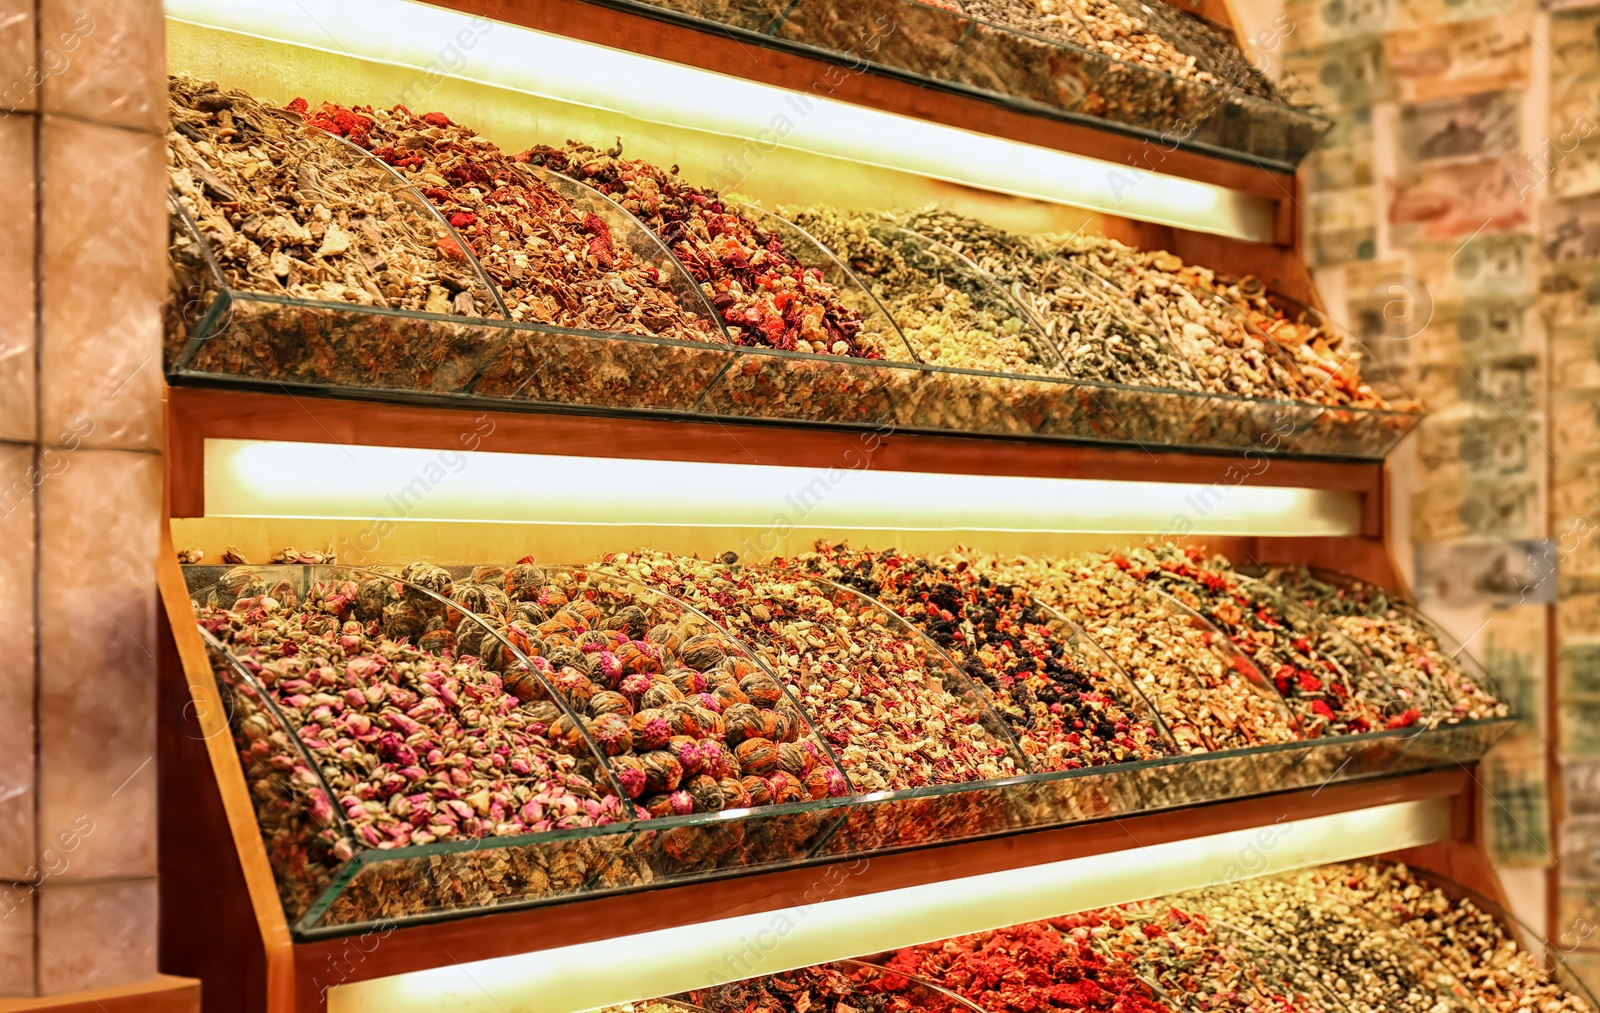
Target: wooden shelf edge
(199,766)
(489,934)
(719,49)
(161,994)
(195,414)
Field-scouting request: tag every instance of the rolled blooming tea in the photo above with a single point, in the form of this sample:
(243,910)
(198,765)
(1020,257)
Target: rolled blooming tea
(877,694)
(662,692)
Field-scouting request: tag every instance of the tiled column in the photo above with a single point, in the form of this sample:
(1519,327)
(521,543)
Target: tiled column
(82,273)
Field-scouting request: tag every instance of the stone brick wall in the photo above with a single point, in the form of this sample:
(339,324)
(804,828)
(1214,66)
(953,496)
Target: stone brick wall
(82,261)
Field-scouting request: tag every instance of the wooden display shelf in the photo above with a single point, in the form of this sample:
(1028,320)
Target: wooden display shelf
(161,994)
(714,47)
(195,414)
(225,923)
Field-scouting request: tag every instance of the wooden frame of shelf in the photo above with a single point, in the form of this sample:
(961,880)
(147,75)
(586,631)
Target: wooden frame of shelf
(233,933)
(224,922)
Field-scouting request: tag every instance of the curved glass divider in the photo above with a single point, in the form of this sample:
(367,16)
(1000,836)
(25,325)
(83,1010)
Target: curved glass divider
(1095,792)
(630,367)
(197,293)
(672,699)
(307,837)
(1270,763)
(1361,691)
(970,399)
(360,344)
(1396,637)
(1549,957)
(1146,357)
(843,980)
(389,874)
(450,238)
(876,321)
(936,728)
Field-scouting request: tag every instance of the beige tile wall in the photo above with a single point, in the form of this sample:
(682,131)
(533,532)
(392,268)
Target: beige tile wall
(82,196)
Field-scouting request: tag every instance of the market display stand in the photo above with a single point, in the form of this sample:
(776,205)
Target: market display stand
(221,917)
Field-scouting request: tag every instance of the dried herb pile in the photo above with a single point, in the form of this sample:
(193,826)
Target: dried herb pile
(766,297)
(1065,713)
(555,262)
(289,210)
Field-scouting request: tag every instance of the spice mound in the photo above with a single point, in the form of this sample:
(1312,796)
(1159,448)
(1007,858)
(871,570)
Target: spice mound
(1096,342)
(554,262)
(842,987)
(766,296)
(1029,967)
(1227,355)
(893,710)
(1399,641)
(1324,683)
(289,210)
(1064,712)
(948,313)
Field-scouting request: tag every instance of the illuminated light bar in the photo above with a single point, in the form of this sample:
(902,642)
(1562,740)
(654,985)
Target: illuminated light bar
(629,967)
(246,478)
(566,70)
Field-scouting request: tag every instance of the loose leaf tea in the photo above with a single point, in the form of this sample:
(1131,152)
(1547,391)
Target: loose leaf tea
(1065,714)
(1096,343)
(289,210)
(554,262)
(765,296)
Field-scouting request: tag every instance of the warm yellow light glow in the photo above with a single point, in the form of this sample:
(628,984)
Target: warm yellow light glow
(246,478)
(803,932)
(657,91)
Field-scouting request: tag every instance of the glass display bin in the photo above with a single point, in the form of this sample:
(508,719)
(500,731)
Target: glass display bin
(1065,75)
(639,743)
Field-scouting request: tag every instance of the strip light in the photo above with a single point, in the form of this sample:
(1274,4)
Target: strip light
(555,68)
(647,964)
(246,478)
